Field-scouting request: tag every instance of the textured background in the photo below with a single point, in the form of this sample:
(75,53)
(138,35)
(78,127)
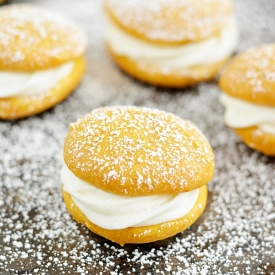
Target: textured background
(236,233)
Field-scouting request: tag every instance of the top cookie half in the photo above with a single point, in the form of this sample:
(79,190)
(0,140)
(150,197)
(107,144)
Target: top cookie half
(170,21)
(251,76)
(138,151)
(33,38)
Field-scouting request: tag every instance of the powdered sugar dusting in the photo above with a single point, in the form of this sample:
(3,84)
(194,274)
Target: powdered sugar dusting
(33,38)
(153,151)
(192,20)
(236,233)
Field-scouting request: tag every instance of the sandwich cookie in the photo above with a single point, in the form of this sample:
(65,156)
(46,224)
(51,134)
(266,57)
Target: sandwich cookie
(171,43)
(135,175)
(248,86)
(41,60)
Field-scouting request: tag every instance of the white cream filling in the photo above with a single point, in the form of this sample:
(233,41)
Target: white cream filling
(112,211)
(242,114)
(32,83)
(204,52)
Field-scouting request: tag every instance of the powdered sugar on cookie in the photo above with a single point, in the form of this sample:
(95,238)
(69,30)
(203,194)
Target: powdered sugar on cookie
(251,76)
(138,151)
(171,21)
(33,38)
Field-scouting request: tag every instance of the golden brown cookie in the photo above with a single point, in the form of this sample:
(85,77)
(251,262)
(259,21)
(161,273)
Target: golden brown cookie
(133,153)
(248,84)
(171,152)
(257,139)
(34,43)
(163,42)
(172,21)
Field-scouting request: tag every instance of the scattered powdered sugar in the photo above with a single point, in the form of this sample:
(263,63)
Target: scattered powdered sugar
(235,235)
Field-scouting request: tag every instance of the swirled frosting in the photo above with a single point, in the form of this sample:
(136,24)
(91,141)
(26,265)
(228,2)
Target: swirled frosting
(32,83)
(242,114)
(204,52)
(111,211)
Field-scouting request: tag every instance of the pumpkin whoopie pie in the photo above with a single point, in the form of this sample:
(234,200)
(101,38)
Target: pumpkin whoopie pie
(248,85)
(135,174)
(170,43)
(41,60)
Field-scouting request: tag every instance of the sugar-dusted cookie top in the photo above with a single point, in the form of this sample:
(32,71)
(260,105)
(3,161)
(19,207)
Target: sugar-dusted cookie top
(251,76)
(138,151)
(32,38)
(170,21)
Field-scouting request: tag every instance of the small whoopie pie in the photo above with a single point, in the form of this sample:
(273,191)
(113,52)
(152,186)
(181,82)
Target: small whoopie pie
(170,43)
(248,85)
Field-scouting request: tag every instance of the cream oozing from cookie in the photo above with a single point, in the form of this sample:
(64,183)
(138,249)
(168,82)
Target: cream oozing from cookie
(32,83)
(205,52)
(243,114)
(111,211)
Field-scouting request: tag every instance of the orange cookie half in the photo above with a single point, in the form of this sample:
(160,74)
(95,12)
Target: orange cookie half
(257,139)
(135,174)
(250,76)
(248,84)
(138,151)
(173,21)
(41,60)
(164,44)
(33,38)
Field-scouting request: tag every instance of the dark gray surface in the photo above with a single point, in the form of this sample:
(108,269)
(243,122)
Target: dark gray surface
(236,233)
